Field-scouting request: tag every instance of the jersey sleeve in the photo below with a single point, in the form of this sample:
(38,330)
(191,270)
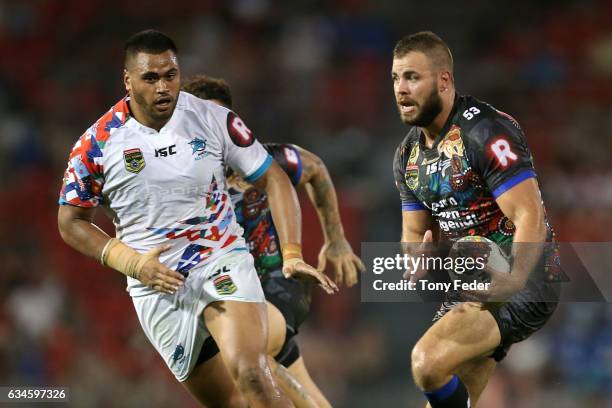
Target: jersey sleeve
(499,153)
(83,178)
(242,152)
(289,159)
(407,197)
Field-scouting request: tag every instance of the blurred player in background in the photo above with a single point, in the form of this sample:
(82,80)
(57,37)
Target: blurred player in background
(156,161)
(464,169)
(288,298)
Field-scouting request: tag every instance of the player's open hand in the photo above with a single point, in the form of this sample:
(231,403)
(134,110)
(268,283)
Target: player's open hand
(344,262)
(158,276)
(500,289)
(297,268)
(418,274)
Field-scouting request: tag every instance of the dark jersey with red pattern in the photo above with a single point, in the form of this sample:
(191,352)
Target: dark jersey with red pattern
(479,154)
(253,211)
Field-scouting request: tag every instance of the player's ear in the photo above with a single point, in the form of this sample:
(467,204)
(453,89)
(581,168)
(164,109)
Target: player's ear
(445,81)
(126,80)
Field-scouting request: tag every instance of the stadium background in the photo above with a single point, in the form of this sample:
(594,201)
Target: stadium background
(316,73)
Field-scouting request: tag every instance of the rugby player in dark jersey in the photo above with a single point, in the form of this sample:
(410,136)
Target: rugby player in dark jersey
(288,299)
(464,169)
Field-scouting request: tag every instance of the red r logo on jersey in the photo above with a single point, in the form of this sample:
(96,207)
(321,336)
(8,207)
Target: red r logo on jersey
(240,134)
(502,152)
(291,156)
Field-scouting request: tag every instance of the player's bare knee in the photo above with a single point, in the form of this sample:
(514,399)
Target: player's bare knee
(251,379)
(248,370)
(427,369)
(427,375)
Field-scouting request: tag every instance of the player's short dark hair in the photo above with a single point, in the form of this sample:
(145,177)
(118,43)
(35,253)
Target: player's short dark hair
(429,44)
(150,42)
(206,87)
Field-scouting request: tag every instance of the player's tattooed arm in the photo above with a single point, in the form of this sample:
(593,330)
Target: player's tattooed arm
(318,184)
(286,215)
(77,229)
(336,250)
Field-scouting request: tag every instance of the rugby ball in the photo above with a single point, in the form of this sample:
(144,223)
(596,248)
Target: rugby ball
(484,253)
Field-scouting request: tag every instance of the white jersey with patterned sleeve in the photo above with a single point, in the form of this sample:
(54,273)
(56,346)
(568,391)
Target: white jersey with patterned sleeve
(166,187)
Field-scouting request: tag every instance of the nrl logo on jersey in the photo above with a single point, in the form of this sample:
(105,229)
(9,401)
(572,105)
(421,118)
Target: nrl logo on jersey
(225,285)
(198,148)
(133,160)
(412,169)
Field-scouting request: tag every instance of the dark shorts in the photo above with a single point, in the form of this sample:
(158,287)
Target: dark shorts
(290,296)
(518,318)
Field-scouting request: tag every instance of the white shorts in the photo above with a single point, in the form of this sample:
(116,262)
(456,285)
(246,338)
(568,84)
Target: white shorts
(174,323)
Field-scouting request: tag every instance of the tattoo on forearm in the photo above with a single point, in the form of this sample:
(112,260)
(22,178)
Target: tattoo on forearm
(327,207)
(320,188)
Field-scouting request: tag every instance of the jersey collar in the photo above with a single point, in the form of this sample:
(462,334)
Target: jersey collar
(136,125)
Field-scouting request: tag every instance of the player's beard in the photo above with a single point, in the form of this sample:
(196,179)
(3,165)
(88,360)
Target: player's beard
(428,111)
(149,109)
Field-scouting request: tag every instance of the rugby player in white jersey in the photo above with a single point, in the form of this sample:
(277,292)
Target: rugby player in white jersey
(156,162)
(288,298)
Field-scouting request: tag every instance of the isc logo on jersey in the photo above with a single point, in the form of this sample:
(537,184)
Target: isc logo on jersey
(240,134)
(502,152)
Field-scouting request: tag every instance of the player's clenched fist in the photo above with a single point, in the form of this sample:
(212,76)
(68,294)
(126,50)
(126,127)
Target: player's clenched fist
(144,267)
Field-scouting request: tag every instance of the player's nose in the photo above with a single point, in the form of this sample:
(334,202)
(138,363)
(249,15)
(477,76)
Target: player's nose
(402,87)
(161,87)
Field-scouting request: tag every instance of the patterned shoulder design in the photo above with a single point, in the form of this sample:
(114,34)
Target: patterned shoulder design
(410,141)
(84,175)
(495,145)
(405,170)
